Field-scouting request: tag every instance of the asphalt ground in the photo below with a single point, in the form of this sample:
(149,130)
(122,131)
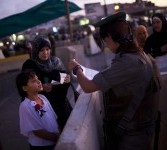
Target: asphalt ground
(10,137)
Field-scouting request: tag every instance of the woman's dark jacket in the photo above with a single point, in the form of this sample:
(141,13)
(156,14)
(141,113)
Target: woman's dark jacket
(154,43)
(156,40)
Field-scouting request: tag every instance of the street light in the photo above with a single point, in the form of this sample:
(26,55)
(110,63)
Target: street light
(116,8)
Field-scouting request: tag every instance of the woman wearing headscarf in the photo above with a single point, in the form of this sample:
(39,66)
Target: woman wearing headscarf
(156,43)
(48,69)
(129,86)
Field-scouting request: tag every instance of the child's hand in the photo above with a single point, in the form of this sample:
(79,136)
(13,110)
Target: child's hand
(47,87)
(67,79)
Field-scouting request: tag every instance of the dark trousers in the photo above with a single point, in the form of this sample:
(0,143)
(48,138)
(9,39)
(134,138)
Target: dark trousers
(141,139)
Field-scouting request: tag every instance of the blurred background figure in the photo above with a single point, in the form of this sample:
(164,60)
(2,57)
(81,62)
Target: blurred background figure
(141,35)
(91,46)
(156,43)
(53,43)
(28,47)
(1,54)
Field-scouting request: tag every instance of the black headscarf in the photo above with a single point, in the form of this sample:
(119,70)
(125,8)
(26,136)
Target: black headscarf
(164,23)
(38,43)
(46,65)
(157,39)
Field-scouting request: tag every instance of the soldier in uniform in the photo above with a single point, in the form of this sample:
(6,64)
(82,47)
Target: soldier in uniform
(130,85)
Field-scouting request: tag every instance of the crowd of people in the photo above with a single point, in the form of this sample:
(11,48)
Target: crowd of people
(131,87)
(10,46)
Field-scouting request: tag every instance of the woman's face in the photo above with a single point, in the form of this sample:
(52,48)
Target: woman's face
(44,53)
(157,24)
(112,45)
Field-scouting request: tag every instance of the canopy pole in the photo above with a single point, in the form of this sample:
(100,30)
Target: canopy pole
(68,20)
(105,8)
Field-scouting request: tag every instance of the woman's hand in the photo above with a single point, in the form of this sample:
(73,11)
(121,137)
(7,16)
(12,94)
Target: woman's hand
(72,64)
(47,87)
(67,79)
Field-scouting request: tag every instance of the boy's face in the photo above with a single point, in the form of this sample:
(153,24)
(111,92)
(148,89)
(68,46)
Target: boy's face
(33,86)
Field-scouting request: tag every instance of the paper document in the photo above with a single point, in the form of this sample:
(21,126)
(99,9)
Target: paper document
(62,77)
(53,82)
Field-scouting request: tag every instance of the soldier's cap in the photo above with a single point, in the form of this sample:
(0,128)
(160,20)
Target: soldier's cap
(115,17)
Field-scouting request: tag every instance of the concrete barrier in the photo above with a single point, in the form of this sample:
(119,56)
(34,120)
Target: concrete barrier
(67,53)
(12,63)
(83,130)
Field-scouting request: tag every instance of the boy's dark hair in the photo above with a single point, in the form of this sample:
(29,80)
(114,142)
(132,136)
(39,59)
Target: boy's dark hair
(22,80)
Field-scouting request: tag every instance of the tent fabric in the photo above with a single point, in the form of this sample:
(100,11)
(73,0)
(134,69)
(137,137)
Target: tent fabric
(46,11)
(11,7)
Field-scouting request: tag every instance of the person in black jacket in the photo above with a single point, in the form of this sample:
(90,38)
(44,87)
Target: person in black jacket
(48,69)
(156,43)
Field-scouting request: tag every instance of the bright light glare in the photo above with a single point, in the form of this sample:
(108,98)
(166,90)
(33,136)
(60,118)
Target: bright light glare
(84,22)
(55,29)
(116,7)
(92,28)
(20,37)
(13,43)
(1,44)
(14,37)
